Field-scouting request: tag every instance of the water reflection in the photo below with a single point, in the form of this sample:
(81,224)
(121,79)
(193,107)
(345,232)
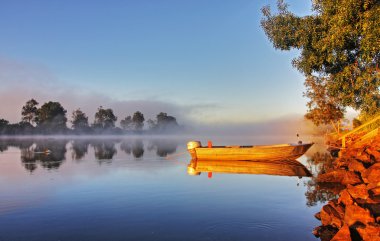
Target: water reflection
(278,168)
(51,153)
(104,149)
(316,192)
(163,147)
(134,147)
(79,149)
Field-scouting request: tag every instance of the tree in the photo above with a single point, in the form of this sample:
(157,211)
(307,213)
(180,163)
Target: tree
(29,111)
(152,125)
(105,118)
(3,125)
(126,123)
(165,121)
(79,120)
(51,117)
(339,54)
(138,120)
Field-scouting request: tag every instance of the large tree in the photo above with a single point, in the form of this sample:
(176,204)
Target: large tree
(29,111)
(51,117)
(138,120)
(164,122)
(79,120)
(104,118)
(126,123)
(339,54)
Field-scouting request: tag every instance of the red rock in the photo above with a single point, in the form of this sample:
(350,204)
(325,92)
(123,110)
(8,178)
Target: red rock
(358,191)
(355,166)
(355,214)
(332,176)
(369,232)
(351,178)
(318,215)
(332,214)
(325,233)
(363,157)
(373,152)
(343,234)
(374,192)
(372,174)
(374,208)
(345,198)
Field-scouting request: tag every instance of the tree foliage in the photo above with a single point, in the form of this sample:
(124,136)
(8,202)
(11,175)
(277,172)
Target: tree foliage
(52,117)
(79,120)
(339,54)
(164,122)
(29,111)
(126,123)
(138,120)
(104,118)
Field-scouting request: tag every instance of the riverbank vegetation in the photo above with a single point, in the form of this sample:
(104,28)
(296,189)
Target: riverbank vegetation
(339,46)
(51,118)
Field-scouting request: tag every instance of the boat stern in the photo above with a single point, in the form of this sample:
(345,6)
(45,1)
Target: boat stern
(191,146)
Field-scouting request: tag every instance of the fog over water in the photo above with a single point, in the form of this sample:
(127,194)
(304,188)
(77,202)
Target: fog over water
(137,187)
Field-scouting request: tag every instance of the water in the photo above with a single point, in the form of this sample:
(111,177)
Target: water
(139,189)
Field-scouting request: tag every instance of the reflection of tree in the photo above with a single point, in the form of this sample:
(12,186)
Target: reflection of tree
(138,149)
(20,143)
(50,153)
(320,192)
(3,145)
(163,147)
(79,149)
(28,159)
(126,146)
(104,149)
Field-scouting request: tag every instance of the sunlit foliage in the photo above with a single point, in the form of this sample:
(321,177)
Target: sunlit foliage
(339,54)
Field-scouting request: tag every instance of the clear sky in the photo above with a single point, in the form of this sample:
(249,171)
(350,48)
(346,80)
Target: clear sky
(201,60)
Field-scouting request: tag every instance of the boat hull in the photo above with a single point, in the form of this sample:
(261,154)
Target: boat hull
(270,152)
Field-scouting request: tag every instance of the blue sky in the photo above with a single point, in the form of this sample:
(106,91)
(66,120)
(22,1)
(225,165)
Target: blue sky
(205,61)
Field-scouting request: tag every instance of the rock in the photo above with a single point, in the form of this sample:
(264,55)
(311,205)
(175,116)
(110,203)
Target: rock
(325,233)
(372,174)
(358,191)
(332,214)
(363,157)
(370,232)
(374,193)
(374,153)
(318,215)
(355,214)
(345,198)
(351,178)
(332,176)
(355,166)
(374,208)
(343,234)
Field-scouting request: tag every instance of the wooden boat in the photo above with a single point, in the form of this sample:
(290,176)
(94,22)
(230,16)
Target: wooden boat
(277,167)
(260,152)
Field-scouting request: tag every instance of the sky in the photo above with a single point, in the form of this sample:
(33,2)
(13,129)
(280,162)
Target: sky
(201,61)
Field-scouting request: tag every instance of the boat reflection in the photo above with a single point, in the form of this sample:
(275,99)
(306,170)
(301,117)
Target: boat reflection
(277,168)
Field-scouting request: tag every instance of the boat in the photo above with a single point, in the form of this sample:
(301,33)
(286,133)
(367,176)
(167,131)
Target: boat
(277,167)
(257,152)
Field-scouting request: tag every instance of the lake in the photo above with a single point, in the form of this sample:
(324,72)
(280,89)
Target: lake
(138,188)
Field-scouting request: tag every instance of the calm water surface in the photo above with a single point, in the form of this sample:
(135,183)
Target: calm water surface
(139,189)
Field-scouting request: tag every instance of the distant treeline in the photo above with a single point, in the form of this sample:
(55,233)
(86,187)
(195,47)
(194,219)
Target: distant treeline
(51,118)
